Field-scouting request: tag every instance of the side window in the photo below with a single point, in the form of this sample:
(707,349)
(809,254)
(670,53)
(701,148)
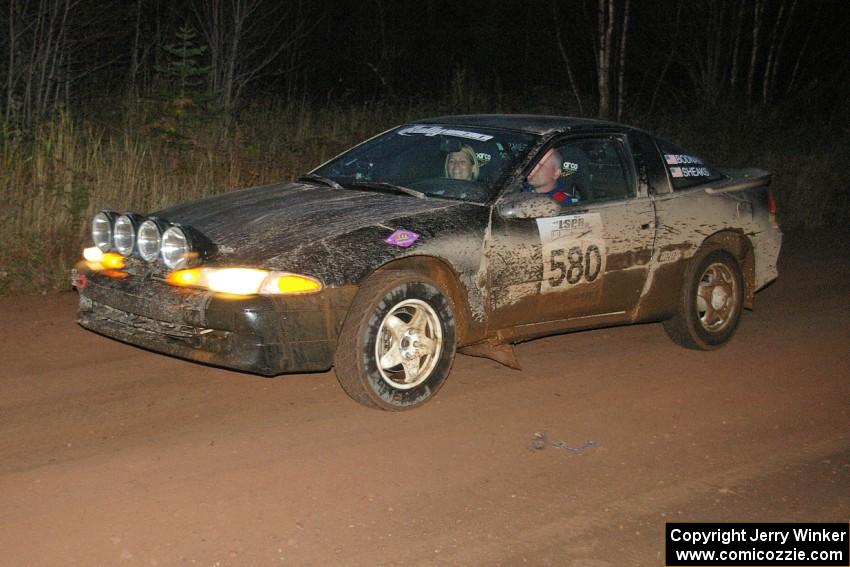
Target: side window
(652,173)
(685,168)
(596,170)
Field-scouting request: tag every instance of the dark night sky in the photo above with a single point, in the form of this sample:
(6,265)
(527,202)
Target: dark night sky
(512,45)
(339,52)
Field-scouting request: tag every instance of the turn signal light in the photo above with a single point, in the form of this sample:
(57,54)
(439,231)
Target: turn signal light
(293,283)
(185,278)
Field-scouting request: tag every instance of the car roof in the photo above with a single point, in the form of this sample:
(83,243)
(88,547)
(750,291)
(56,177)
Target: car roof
(531,123)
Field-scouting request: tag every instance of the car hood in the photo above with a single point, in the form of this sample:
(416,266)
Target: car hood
(260,226)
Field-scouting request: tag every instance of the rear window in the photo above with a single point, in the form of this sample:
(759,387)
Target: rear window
(686,169)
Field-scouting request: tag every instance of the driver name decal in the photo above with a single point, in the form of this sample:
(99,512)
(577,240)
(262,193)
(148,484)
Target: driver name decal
(678,159)
(573,251)
(690,172)
(692,166)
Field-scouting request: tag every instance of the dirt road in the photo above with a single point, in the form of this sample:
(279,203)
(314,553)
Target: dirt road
(111,455)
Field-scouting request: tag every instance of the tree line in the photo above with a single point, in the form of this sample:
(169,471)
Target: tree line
(609,58)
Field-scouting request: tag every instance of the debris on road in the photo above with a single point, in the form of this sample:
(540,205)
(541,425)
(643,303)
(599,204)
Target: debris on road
(539,441)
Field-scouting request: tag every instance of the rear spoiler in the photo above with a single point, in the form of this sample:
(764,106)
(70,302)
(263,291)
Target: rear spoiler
(739,180)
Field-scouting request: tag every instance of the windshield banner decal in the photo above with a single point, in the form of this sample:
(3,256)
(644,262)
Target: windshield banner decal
(426,130)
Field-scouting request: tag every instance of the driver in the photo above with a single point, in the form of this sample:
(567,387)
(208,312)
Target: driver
(462,164)
(546,178)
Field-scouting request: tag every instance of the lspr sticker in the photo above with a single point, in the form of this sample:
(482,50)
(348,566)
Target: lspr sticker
(573,250)
(402,238)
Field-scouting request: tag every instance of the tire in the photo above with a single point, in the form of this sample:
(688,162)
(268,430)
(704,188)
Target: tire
(711,302)
(397,343)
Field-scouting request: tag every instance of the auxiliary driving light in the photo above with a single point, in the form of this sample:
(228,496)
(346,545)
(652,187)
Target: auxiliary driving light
(175,248)
(124,235)
(101,230)
(148,240)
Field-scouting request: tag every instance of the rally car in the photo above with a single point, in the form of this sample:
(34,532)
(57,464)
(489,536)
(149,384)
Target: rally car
(434,237)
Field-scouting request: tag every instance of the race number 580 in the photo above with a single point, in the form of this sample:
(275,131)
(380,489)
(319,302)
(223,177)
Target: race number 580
(574,264)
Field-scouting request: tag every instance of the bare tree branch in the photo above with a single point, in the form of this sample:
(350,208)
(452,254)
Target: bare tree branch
(621,84)
(564,58)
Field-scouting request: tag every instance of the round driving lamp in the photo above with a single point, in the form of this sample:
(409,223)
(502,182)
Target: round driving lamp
(148,240)
(124,235)
(175,248)
(101,231)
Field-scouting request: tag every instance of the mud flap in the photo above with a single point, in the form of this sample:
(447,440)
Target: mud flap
(500,352)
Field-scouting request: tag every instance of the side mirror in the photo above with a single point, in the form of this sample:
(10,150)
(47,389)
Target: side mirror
(528,206)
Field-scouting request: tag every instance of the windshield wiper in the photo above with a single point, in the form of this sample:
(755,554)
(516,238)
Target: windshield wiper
(390,186)
(320,179)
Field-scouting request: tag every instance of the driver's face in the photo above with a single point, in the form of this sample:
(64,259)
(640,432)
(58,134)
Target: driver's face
(544,176)
(459,166)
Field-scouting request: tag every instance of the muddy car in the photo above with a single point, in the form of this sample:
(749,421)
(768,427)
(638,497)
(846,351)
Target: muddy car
(433,238)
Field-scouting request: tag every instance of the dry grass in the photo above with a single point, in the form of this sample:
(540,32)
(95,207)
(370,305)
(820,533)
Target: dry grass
(52,182)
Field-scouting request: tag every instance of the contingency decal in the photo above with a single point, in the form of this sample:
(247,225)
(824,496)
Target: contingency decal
(573,250)
(568,168)
(402,238)
(667,256)
(426,130)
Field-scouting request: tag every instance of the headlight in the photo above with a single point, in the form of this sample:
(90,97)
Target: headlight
(97,260)
(148,240)
(93,255)
(245,281)
(175,248)
(124,235)
(101,230)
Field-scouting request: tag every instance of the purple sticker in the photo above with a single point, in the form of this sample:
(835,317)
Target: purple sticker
(402,238)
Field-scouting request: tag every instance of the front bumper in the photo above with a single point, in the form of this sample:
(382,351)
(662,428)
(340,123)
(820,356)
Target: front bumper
(262,335)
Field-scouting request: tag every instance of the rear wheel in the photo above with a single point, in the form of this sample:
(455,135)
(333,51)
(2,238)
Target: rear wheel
(711,302)
(397,344)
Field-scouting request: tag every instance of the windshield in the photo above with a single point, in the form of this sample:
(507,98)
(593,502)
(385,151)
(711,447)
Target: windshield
(453,162)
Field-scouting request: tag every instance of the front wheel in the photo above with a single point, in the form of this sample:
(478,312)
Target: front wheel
(397,343)
(711,302)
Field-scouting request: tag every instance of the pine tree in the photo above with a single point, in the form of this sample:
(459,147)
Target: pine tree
(184,67)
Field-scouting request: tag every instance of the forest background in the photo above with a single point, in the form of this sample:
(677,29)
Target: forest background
(132,105)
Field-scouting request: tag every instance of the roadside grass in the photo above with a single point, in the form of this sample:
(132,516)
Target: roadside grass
(55,178)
